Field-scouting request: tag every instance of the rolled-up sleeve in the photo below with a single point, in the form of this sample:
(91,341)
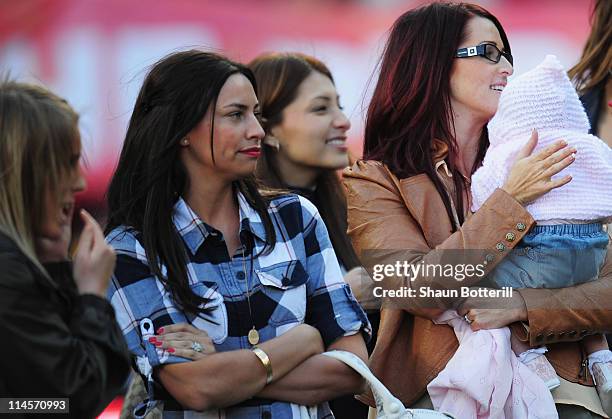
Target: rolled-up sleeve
(331,306)
(141,304)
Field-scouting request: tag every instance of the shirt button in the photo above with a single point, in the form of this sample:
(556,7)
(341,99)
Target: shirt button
(521,226)
(510,237)
(489,258)
(500,247)
(240,275)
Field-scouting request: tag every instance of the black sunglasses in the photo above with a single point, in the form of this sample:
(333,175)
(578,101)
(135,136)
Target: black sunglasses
(488,51)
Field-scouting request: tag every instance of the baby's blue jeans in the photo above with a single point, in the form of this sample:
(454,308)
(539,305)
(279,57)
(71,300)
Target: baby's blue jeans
(554,256)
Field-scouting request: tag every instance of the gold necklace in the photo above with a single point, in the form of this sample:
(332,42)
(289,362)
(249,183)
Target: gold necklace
(253,335)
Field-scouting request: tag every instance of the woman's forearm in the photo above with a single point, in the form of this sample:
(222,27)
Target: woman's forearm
(226,378)
(320,378)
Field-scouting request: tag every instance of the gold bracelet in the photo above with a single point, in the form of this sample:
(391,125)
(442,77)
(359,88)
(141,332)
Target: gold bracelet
(265,360)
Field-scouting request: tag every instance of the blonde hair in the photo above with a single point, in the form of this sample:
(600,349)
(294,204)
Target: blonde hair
(38,133)
(596,61)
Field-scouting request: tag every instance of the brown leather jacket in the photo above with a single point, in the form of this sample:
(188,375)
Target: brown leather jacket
(385,212)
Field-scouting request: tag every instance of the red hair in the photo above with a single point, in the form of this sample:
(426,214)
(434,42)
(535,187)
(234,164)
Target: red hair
(411,106)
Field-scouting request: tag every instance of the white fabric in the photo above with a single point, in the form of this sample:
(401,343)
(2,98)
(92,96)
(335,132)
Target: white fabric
(603,356)
(485,380)
(387,405)
(545,99)
(531,354)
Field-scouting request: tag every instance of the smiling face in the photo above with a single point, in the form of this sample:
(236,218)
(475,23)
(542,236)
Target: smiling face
(236,138)
(313,128)
(59,201)
(476,83)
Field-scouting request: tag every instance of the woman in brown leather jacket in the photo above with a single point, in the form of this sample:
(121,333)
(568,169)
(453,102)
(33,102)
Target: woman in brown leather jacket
(441,75)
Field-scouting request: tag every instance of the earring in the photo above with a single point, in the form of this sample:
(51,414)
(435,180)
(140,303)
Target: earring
(185,141)
(272,142)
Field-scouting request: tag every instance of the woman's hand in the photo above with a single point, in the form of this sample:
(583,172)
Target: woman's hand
(226,378)
(94,260)
(362,286)
(530,176)
(184,340)
(507,310)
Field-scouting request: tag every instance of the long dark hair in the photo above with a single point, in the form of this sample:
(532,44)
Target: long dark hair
(596,60)
(279,75)
(150,176)
(411,105)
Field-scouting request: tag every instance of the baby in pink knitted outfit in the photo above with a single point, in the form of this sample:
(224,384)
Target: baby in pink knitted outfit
(569,243)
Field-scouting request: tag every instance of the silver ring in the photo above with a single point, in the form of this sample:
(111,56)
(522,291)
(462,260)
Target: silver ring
(196,346)
(465,317)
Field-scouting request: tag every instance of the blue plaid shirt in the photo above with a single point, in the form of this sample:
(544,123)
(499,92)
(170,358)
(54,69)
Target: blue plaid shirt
(298,282)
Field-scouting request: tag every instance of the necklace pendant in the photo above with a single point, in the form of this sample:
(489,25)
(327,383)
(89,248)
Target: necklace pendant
(253,336)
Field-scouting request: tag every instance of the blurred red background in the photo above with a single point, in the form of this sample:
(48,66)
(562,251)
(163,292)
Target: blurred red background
(95,53)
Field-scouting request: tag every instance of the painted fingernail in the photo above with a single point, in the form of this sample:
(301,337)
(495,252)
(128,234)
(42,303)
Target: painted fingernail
(152,339)
(160,330)
(158,343)
(171,350)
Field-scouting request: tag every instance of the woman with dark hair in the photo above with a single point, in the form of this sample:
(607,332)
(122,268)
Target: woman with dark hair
(60,337)
(441,75)
(304,146)
(593,73)
(305,140)
(226,295)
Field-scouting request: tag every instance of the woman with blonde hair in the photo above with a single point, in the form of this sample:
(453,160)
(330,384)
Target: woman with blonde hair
(60,335)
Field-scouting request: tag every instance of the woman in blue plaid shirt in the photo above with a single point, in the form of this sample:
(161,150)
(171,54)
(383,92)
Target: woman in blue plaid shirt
(226,295)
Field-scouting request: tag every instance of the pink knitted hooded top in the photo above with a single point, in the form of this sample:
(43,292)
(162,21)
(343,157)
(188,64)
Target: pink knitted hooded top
(545,99)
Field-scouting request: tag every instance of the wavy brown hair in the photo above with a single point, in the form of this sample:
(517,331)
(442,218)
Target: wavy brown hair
(411,104)
(596,61)
(279,76)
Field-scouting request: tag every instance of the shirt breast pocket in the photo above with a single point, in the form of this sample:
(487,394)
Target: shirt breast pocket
(213,316)
(285,286)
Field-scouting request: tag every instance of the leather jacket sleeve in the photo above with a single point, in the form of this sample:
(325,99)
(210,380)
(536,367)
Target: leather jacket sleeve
(383,229)
(57,343)
(569,314)
(381,215)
